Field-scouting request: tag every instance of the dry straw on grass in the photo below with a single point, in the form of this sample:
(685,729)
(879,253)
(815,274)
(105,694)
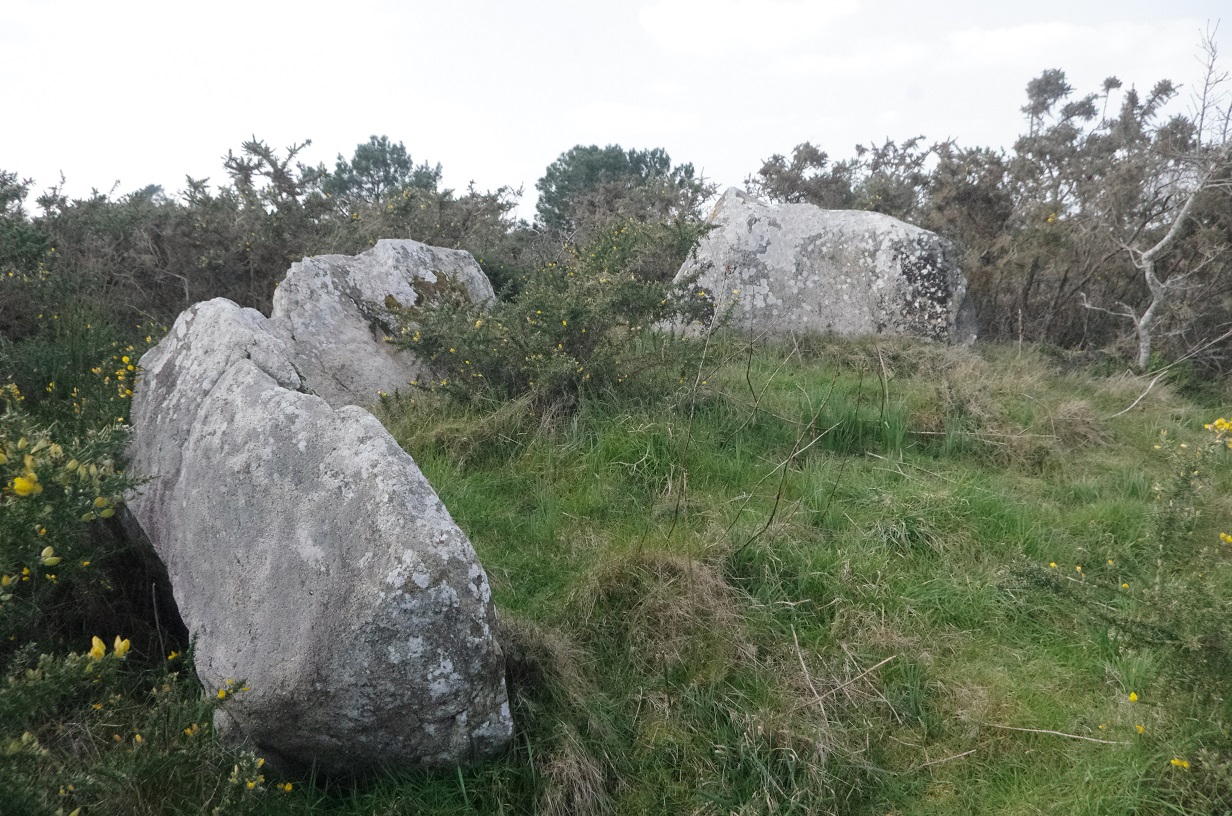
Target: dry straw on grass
(574,782)
(667,611)
(1077,425)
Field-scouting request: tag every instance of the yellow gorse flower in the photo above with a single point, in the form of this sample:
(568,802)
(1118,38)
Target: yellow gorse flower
(1222,429)
(121,646)
(98,649)
(26,485)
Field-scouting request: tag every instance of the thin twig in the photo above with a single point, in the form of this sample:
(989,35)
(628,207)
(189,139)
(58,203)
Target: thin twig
(842,686)
(1164,370)
(748,372)
(158,624)
(939,761)
(778,498)
(1056,734)
(1197,349)
(885,385)
(842,464)
(1141,396)
(864,673)
(807,679)
(688,440)
(796,451)
(932,473)
(757,396)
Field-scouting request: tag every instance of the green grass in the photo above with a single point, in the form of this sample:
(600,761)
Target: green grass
(820,583)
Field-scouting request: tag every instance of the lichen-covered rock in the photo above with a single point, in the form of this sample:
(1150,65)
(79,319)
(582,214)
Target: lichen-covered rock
(797,268)
(338,312)
(310,559)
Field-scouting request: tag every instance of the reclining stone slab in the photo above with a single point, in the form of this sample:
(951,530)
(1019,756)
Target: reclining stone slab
(310,559)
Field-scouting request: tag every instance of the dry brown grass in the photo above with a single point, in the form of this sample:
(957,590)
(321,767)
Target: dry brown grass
(546,672)
(574,783)
(667,611)
(1077,425)
(542,663)
(1009,405)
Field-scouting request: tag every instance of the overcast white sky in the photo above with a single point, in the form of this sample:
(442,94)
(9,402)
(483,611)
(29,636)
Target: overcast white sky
(147,92)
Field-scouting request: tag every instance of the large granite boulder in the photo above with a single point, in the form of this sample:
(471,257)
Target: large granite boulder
(310,559)
(338,313)
(796,268)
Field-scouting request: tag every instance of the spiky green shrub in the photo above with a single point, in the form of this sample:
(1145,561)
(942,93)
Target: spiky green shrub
(65,564)
(582,324)
(49,492)
(99,730)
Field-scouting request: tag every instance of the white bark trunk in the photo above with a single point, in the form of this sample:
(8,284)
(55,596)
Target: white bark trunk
(1144,326)
(1160,291)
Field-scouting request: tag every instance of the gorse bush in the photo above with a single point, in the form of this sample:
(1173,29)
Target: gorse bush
(146,256)
(95,731)
(76,369)
(22,245)
(64,402)
(1171,574)
(579,325)
(50,490)
(94,685)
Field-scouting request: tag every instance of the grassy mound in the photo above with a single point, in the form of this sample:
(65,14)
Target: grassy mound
(829,577)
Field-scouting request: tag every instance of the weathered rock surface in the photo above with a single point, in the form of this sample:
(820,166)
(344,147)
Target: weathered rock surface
(310,558)
(337,312)
(797,268)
